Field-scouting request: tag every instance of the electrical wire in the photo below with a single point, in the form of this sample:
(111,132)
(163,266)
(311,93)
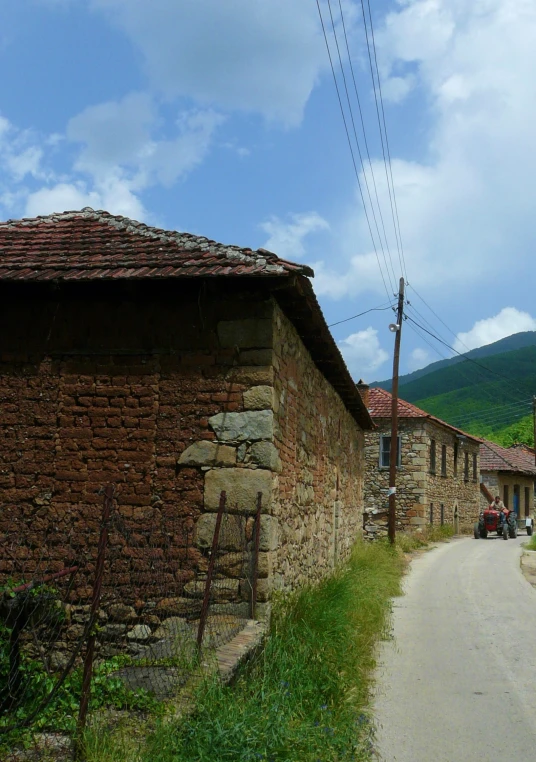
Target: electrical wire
(364,132)
(350,145)
(377,91)
(372,309)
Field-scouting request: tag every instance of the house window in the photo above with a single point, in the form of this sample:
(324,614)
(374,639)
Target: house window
(466,467)
(432,456)
(505,495)
(442,514)
(456,459)
(443,460)
(431,513)
(527,501)
(385,451)
(475,474)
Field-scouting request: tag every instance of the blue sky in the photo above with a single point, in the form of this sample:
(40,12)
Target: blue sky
(221,118)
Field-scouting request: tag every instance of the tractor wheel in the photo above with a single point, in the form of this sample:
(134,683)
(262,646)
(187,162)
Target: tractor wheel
(529,530)
(512,531)
(476,532)
(505,531)
(483,533)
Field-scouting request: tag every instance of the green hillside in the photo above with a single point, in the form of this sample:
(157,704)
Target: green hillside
(480,400)
(508,344)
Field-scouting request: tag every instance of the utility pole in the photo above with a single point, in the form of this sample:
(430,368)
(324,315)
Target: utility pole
(393,456)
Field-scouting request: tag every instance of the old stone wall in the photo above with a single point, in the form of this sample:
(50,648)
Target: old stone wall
(454,499)
(172,393)
(319,500)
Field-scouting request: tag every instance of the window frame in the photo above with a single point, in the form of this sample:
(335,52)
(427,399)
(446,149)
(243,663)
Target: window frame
(475,469)
(443,460)
(466,467)
(433,459)
(387,437)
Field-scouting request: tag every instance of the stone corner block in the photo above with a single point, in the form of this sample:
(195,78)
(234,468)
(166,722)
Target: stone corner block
(205,453)
(240,427)
(241,486)
(265,455)
(259,398)
(232,532)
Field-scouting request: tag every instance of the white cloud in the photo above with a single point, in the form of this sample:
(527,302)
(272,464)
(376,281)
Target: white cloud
(286,238)
(245,54)
(508,321)
(119,137)
(363,353)
(466,208)
(20,153)
(418,358)
(113,195)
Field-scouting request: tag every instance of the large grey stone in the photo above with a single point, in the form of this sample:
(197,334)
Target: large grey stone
(259,398)
(174,627)
(232,531)
(206,453)
(269,534)
(139,632)
(265,455)
(119,612)
(241,485)
(240,427)
(246,334)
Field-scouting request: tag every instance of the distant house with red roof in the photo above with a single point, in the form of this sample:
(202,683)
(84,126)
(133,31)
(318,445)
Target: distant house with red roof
(438,467)
(510,473)
(173,367)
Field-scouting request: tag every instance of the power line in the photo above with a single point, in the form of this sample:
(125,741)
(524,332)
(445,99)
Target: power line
(391,283)
(460,354)
(392,198)
(364,132)
(350,145)
(372,309)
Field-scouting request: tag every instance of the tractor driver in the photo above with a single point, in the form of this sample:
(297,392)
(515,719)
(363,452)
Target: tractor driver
(498,505)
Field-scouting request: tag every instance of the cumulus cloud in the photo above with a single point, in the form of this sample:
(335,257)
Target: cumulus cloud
(363,353)
(507,322)
(252,56)
(287,238)
(418,358)
(466,206)
(113,195)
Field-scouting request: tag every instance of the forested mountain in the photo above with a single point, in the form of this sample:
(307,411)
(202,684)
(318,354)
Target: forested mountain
(486,394)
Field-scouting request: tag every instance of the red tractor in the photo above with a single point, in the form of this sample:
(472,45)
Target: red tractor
(504,523)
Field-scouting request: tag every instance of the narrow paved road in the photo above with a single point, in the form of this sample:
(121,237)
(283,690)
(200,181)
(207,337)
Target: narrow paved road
(458,681)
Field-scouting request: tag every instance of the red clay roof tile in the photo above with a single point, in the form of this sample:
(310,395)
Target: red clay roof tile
(493,457)
(95,245)
(379,406)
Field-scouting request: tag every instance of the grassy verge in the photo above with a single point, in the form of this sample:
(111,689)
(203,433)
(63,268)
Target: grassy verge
(531,544)
(304,699)
(410,542)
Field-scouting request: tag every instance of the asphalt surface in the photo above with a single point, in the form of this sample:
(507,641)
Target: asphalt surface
(457,683)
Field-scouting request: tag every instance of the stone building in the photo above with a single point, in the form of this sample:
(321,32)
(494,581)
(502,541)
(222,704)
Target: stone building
(508,472)
(438,468)
(173,367)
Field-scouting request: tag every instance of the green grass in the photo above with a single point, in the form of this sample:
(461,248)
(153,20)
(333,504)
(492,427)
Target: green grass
(305,697)
(531,544)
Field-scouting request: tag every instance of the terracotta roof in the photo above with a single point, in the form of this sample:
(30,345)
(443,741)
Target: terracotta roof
(379,406)
(493,457)
(96,245)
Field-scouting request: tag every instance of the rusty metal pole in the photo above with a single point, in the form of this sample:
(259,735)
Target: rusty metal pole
(255,570)
(393,456)
(210,571)
(95,603)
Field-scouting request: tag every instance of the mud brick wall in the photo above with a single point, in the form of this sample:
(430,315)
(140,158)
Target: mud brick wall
(417,487)
(110,388)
